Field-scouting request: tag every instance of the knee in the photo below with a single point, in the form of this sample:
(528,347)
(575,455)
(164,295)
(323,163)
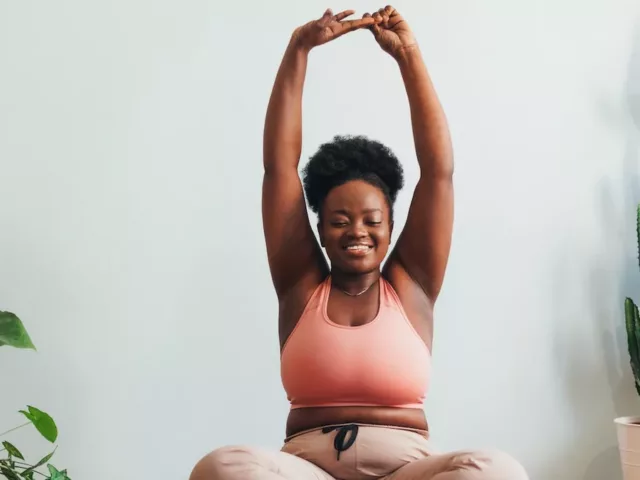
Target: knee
(489,465)
(226,463)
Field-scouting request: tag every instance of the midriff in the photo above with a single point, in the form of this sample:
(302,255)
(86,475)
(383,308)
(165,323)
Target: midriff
(301,419)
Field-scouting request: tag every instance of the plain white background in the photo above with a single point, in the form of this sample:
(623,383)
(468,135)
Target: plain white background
(131,238)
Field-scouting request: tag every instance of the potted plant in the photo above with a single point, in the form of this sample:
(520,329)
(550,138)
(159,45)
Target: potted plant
(628,428)
(13,465)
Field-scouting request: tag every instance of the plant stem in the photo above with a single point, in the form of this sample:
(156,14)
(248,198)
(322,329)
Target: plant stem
(26,466)
(14,429)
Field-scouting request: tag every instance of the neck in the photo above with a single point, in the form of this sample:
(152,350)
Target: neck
(354,284)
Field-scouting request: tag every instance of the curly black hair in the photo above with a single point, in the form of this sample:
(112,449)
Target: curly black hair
(347,158)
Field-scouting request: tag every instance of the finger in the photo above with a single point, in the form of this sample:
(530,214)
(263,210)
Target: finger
(342,15)
(393,21)
(385,17)
(368,15)
(375,28)
(351,25)
(326,17)
(393,14)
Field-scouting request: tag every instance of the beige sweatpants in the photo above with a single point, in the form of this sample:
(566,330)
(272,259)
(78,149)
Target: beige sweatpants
(356,452)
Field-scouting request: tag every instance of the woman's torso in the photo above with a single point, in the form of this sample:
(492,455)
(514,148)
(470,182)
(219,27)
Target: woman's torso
(372,352)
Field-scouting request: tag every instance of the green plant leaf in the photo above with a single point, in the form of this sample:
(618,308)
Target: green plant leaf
(13,451)
(13,333)
(27,476)
(632,321)
(41,462)
(638,231)
(10,474)
(43,423)
(57,475)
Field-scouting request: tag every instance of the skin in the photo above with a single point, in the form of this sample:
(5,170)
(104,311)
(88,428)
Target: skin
(356,212)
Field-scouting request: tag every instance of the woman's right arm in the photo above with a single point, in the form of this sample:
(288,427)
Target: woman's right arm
(293,252)
(292,249)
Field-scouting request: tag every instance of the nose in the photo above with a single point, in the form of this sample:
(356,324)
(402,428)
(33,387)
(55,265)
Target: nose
(357,231)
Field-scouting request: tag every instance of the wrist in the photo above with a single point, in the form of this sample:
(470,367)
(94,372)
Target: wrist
(408,54)
(297,44)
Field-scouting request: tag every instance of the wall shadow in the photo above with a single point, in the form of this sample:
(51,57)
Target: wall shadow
(606,465)
(599,387)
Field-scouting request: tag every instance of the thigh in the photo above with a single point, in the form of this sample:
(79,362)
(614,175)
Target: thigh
(248,463)
(464,465)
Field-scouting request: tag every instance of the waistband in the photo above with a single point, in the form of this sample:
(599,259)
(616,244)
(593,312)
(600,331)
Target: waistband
(331,427)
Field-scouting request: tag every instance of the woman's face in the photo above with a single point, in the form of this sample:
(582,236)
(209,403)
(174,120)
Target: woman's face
(355,228)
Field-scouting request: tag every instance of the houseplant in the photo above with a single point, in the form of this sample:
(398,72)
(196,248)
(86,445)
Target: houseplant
(13,465)
(628,428)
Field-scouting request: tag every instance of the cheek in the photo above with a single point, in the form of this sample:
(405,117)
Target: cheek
(331,238)
(385,234)
(382,239)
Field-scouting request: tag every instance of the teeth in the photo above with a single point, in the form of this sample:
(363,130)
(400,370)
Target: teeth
(358,247)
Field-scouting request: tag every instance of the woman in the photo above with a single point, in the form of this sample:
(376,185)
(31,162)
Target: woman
(355,337)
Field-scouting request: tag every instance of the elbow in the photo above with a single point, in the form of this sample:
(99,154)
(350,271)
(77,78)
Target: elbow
(445,173)
(437,164)
(438,172)
(283,156)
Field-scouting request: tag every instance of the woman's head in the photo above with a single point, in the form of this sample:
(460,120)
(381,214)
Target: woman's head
(352,184)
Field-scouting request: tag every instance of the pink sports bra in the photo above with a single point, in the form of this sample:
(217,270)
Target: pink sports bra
(381,363)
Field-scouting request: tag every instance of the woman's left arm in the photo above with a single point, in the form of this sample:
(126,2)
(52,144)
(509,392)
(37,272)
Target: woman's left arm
(423,246)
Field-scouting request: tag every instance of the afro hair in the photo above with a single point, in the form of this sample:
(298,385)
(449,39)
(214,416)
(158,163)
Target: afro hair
(348,158)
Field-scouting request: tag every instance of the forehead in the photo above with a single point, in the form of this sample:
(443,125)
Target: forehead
(355,195)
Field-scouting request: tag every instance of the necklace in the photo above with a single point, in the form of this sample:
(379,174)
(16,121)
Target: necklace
(359,293)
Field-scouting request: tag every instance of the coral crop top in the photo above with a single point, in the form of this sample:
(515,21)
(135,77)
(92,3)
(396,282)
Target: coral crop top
(381,363)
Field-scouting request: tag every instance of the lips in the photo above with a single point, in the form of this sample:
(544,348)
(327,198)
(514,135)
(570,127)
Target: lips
(358,249)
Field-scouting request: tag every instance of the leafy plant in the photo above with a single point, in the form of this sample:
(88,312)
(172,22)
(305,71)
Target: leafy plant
(13,465)
(632,322)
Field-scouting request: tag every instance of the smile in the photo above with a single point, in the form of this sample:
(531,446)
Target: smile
(358,249)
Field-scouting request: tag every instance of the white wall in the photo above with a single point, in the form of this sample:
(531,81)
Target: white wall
(131,241)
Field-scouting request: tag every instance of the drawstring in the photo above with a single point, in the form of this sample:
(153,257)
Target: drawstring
(339,441)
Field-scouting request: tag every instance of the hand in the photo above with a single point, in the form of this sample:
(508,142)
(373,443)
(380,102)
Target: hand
(328,27)
(391,31)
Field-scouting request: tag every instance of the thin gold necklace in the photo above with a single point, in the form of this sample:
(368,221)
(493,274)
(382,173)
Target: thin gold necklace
(356,294)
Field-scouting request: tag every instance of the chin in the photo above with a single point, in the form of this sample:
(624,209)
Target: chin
(358,268)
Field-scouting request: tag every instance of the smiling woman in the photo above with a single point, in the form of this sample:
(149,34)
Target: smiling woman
(352,184)
(355,335)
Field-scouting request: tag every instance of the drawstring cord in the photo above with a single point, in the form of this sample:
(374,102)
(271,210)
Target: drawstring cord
(340,442)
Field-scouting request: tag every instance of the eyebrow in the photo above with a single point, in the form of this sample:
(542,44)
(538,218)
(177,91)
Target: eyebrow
(366,210)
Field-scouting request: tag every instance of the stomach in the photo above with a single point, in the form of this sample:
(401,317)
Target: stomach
(308,418)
